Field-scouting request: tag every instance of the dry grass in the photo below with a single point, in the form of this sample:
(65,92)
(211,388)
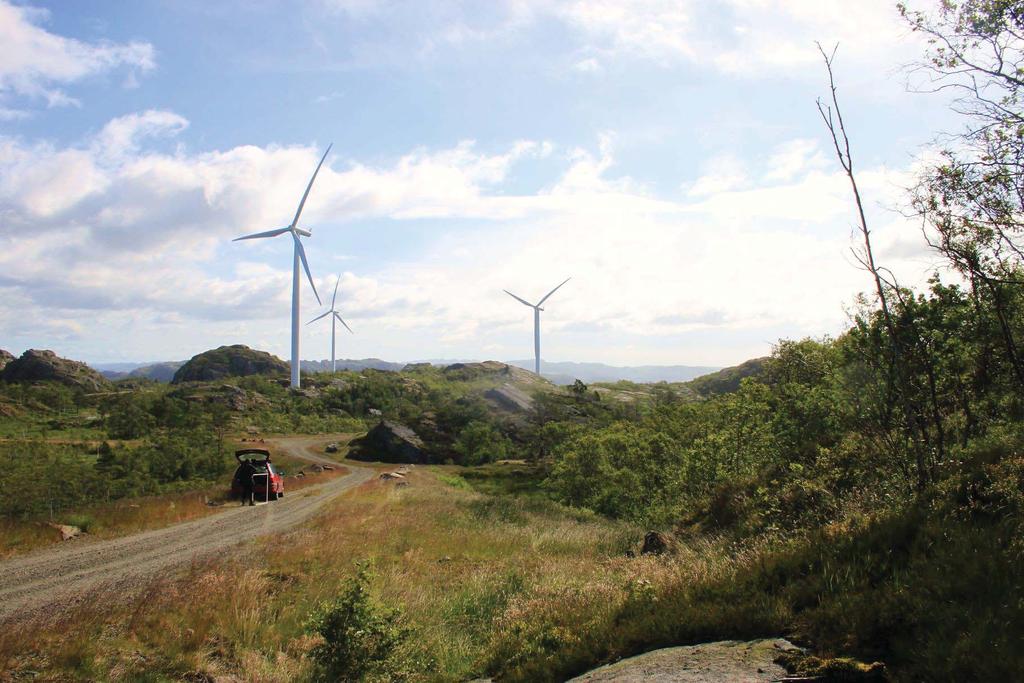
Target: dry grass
(488,585)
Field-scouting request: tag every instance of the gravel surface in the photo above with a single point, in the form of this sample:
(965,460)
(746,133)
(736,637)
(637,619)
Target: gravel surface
(45,581)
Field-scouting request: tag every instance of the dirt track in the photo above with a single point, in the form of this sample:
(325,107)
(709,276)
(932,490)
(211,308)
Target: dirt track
(31,584)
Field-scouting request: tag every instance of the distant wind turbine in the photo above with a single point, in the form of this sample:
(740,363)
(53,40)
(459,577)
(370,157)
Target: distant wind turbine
(536,321)
(299,255)
(335,318)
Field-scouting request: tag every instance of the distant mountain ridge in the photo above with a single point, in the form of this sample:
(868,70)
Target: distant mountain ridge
(351,364)
(567,372)
(563,372)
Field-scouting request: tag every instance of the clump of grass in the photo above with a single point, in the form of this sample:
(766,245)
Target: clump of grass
(455,481)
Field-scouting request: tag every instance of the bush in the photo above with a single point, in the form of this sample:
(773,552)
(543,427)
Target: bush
(479,443)
(359,637)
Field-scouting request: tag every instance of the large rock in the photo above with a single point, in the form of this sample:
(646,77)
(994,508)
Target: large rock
(46,366)
(728,660)
(5,358)
(229,361)
(389,442)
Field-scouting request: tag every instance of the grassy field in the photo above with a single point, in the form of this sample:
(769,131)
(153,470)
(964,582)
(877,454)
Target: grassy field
(481,580)
(492,579)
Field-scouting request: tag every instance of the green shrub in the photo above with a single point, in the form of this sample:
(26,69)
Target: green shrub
(359,637)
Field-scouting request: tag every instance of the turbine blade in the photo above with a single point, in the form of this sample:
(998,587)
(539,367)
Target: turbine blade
(342,321)
(322,315)
(298,212)
(305,264)
(522,301)
(268,233)
(553,291)
(335,292)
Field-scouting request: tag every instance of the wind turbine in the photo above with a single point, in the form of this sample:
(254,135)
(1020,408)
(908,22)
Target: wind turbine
(536,321)
(299,255)
(335,318)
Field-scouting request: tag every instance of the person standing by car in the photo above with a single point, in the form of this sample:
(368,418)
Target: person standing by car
(245,473)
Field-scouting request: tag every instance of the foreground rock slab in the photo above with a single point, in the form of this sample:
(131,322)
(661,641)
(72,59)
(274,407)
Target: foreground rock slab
(728,660)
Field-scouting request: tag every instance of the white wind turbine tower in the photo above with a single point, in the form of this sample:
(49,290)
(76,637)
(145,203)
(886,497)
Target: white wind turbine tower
(335,318)
(536,321)
(299,255)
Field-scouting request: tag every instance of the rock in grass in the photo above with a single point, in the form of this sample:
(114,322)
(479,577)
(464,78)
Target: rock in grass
(655,543)
(389,442)
(730,660)
(67,531)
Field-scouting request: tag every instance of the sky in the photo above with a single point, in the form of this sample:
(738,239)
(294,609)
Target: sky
(667,155)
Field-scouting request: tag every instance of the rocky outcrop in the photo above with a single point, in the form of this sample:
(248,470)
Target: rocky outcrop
(5,358)
(511,398)
(229,361)
(389,442)
(46,366)
(234,398)
(728,660)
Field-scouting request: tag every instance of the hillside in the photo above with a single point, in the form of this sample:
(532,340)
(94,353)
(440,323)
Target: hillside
(727,380)
(47,366)
(236,360)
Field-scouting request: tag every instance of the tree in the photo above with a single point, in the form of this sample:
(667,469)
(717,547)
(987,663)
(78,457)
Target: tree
(480,443)
(899,382)
(971,201)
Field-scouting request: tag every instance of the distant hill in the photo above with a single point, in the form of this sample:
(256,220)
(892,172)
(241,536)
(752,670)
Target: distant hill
(46,366)
(561,373)
(568,372)
(237,360)
(160,372)
(727,380)
(351,364)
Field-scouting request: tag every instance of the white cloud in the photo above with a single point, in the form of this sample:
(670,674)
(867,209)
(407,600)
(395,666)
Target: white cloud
(136,245)
(34,63)
(124,133)
(721,174)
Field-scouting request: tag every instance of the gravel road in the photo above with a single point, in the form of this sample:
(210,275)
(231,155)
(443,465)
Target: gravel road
(40,582)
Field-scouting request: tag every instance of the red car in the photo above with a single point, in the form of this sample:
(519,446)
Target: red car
(254,465)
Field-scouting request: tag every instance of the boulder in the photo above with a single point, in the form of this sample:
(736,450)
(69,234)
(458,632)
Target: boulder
(389,442)
(46,366)
(331,448)
(655,543)
(229,361)
(67,531)
(728,660)
(5,358)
